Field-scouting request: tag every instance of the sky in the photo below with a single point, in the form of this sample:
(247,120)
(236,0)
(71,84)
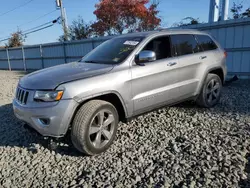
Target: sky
(171,11)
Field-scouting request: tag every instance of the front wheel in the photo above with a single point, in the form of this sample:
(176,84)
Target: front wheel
(211,91)
(94,127)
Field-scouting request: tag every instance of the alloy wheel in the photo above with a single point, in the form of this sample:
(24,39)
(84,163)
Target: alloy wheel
(213,91)
(101,128)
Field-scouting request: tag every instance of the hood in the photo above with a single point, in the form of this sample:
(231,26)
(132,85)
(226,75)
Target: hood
(50,78)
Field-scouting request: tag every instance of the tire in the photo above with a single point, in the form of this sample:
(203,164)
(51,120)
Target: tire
(88,132)
(211,91)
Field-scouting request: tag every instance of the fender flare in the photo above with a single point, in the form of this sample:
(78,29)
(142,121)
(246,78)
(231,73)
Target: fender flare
(82,99)
(205,76)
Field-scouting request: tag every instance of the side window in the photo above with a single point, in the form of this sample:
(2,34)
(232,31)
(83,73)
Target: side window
(161,46)
(184,44)
(206,42)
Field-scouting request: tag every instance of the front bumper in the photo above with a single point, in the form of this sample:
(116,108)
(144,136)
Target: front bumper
(58,116)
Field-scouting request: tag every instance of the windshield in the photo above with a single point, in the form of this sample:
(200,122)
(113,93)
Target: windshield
(113,51)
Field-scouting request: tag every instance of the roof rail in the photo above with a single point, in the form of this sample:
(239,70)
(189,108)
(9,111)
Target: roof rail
(162,29)
(176,29)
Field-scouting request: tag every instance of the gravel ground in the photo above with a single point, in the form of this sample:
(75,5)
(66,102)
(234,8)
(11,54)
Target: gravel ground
(180,146)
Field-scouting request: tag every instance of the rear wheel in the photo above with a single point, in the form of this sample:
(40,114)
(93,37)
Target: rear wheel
(211,91)
(94,127)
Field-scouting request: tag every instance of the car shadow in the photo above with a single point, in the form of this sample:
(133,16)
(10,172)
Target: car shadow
(13,133)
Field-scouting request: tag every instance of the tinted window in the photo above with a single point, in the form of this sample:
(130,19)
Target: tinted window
(206,42)
(184,44)
(161,46)
(113,51)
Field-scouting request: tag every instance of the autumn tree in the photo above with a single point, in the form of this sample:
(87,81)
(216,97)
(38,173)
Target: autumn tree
(78,30)
(119,16)
(16,39)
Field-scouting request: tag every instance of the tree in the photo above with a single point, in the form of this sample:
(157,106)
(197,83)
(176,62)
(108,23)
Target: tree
(78,30)
(236,10)
(192,21)
(119,16)
(16,39)
(246,13)
(151,21)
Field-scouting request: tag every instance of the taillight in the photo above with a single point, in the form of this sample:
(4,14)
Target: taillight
(225,54)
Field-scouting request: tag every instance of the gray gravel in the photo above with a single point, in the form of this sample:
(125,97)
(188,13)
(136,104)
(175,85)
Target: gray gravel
(180,146)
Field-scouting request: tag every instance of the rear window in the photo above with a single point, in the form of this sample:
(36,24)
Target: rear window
(184,44)
(206,42)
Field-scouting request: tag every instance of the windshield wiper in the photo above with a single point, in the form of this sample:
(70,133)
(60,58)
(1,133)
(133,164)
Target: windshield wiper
(100,62)
(91,61)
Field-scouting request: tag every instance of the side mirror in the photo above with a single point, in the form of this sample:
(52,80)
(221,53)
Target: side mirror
(145,56)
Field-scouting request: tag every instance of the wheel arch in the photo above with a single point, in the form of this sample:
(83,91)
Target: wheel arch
(215,70)
(218,71)
(111,96)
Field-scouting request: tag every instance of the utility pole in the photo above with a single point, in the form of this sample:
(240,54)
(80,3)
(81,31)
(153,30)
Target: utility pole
(59,4)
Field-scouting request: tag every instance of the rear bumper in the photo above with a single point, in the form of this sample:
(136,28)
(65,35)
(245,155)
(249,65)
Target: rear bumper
(58,117)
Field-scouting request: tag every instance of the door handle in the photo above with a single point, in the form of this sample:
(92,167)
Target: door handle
(172,63)
(203,57)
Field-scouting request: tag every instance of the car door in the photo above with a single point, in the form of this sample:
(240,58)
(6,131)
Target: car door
(154,84)
(190,61)
(209,51)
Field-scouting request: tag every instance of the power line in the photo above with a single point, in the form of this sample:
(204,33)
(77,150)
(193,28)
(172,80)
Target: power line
(30,32)
(11,10)
(37,26)
(30,29)
(53,22)
(39,29)
(36,29)
(37,18)
(33,21)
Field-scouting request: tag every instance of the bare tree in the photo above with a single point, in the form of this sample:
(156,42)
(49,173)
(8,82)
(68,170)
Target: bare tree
(16,39)
(78,30)
(183,22)
(236,10)
(246,13)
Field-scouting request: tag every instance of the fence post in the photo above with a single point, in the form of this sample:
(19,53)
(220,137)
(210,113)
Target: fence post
(41,55)
(64,53)
(24,60)
(92,42)
(7,51)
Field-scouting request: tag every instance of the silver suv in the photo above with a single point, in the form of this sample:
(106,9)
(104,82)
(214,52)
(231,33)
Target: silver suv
(120,79)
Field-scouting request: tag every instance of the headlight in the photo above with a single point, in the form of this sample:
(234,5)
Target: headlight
(48,96)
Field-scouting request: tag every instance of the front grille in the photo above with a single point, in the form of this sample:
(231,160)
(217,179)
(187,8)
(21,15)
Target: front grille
(22,95)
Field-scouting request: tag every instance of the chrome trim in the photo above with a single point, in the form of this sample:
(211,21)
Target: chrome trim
(22,95)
